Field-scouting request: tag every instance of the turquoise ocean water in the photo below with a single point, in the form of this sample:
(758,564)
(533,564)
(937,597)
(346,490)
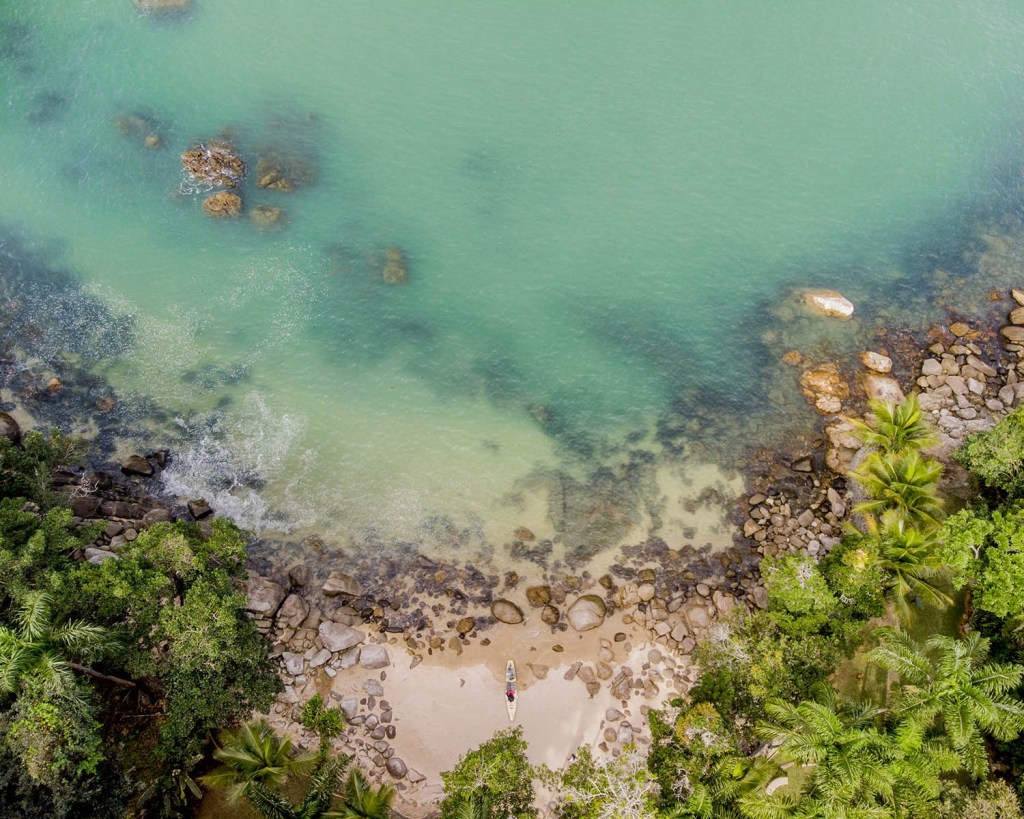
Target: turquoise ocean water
(596,201)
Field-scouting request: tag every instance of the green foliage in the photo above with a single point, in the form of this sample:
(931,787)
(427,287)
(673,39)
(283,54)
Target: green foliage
(896,428)
(52,741)
(987,548)
(327,723)
(362,801)
(991,800)
(854,574)
(903,484)
(798,593)
(254,753)
(39,652)
(25,471)
(947,687)
(701,769)
(996,458)
(35,549)
(497,769)
(853,766)
(173,588)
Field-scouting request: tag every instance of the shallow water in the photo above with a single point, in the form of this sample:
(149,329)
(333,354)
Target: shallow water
(597,203)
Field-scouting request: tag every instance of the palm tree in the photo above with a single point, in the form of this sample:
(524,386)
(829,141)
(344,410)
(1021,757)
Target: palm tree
(839,742)
(905,483)
(44,653)
(910,560)
(947,687)
(362,801)
(897,428)
(475,807)
(323,783)
(254,753)
(735,786)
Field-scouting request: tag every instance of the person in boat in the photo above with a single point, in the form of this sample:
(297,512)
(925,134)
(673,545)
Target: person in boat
(511,694)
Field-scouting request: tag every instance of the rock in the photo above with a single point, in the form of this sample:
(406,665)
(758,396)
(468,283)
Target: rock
(505,611)
(97,556)
(931,366)
(876,361)
(1017,315)
(396,767)
(524,534)
(137,465)
(586,613)
(9,428)
(293,663)
(340,584)
(830,303)
(337,637)
(836,502)
(415,777)
(267,216)
(348,659)
(881,388)
(1013,334)
(825,388)
(374,656)
(538,596)
(320,658)
(794,358)
(586,674)
(696,616)
(223,205)
(163,6)
(395,270)
(373,688)
(199,508)
(349,706)
(155,516)
(465,625)
(292,612)
(759,594)
(264,596)
(216,163)
(549,614)
(646,592)
(153,141)
(613,715)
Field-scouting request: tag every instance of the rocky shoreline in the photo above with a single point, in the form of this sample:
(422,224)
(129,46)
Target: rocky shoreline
(621,641)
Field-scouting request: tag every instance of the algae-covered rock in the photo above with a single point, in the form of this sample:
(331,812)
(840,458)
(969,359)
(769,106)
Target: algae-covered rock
(223,205)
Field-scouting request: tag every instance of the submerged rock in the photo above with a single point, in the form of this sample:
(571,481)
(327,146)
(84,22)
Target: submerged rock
(163,5)
(267,216)
(223,205)
(395,269)
(824,387)
(876,361)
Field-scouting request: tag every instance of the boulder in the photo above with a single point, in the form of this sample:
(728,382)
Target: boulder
(396,767)
(337,637)
(549,614)
(292,612)
(155,516)
(882,388)
(137,465)
(199,508)
(824,387)
(97,556)
(506,611)
(9,428)
(586,613)
(830,303)
(341,584)
(1013,334)
(223,205)
(293,663)
(876,361)
(465,625)
(374,656)
(538,596)
(264,596)
(216,163)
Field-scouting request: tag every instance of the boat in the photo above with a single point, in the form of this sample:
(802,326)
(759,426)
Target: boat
(511,692)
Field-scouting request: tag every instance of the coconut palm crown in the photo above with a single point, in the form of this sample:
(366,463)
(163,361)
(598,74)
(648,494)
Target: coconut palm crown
(947,687)
(906,483)
(896,428)
(43,653)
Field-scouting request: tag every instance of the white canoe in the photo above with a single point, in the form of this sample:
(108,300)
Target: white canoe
(511,688)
